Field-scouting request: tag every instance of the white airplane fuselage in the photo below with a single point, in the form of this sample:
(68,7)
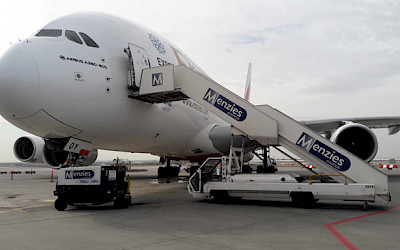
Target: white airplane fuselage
(53,87)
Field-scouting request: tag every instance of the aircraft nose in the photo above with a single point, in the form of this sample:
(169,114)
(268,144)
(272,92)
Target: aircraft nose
(19,82)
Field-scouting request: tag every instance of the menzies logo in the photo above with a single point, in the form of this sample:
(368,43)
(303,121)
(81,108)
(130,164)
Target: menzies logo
(323,152)
(157,79)
(79,174)
(225,105)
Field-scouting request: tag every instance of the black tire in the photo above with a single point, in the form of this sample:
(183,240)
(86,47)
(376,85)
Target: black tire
(260,169)
(118,203)
(127,201)
(164,172)
(303,199)
(221,197)
(296,201)
(122,202)
(60,204)
(269,169)
(174,172)
(161,172)
(246,169)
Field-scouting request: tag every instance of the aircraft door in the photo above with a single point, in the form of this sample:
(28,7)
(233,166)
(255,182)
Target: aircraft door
(138,60)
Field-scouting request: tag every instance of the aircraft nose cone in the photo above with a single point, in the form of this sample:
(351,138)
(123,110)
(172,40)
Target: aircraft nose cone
(19,82)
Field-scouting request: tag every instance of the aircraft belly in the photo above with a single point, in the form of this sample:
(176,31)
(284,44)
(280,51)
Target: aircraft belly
(44,125)
(161,129)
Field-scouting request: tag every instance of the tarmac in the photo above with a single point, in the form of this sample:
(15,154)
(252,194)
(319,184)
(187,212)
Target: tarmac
(165,216)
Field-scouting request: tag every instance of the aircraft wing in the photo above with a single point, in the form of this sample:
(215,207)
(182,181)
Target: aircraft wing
(330,125)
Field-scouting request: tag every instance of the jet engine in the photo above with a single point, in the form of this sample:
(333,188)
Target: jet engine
(29,149)
(38,150)
(357,139)
(90,158)
(221,136)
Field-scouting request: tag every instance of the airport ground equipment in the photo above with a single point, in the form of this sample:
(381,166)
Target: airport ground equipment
(264,124)
(92,185)
(215,179)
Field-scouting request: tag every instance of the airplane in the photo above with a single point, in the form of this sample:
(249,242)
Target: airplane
(69,86)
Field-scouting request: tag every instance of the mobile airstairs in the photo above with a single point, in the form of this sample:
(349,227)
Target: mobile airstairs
(354,179)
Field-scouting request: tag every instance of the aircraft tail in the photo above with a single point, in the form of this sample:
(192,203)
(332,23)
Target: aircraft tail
(248,83)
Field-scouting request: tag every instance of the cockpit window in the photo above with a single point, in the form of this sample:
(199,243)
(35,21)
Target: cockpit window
(71,35)
(89,41)
(49,33)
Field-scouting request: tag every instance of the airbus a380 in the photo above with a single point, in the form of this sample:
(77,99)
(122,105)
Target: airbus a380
(68,86)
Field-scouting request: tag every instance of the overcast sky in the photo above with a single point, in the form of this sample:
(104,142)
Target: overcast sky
(311,59)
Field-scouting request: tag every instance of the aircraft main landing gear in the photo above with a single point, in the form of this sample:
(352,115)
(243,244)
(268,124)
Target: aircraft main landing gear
(168,171)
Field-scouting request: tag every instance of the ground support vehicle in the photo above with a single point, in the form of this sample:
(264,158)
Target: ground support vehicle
(92,185)
(215,179)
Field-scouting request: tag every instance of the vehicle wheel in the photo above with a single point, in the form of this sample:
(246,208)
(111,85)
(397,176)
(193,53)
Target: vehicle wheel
(296,200)
(221,197)
(161,172)
(127,201)
(60,204)
(176,172)
(260,169)
(303,199)
(269,169)
(121,202)
(246,169)
(118,203)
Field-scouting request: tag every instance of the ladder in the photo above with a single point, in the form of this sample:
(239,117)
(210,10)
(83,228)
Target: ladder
(266,125)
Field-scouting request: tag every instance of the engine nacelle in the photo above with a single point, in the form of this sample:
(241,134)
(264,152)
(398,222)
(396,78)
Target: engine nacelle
(221,136)
(90,158)
(357,139)
(29,149)
(54,157)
